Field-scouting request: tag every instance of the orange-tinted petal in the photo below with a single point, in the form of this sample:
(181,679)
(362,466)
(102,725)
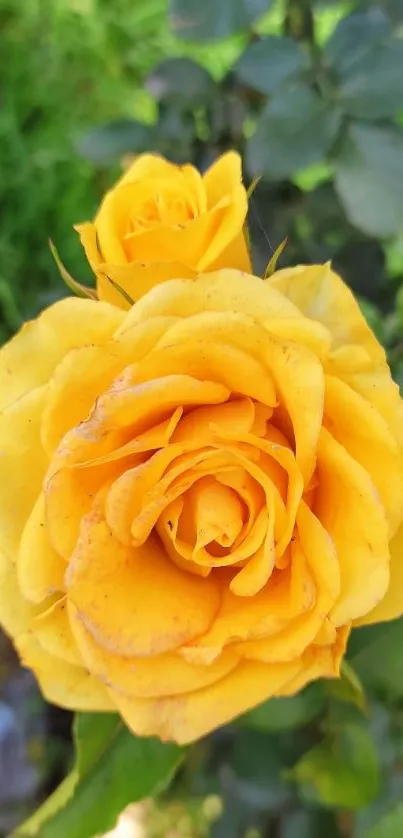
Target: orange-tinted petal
(148,677)
(188,717)
(349,508)
(365,434)
(63,683)
(53,632)
(40,569)
(391,606)
(149,606)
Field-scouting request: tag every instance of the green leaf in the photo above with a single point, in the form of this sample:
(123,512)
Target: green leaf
(354,38)
(209,20)
(110,142)
(181,81)
(389,826)
(340,771)
(286,713)
(295,130)
(252,186)
(367,60)
(74,286)
(369,176)
(268,63)
(372,88)
(310,824)
(272,264)
(348,687)
(113,768)
(256,761)
(376,655)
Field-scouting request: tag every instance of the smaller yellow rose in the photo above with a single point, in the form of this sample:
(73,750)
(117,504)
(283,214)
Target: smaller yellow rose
(162,221)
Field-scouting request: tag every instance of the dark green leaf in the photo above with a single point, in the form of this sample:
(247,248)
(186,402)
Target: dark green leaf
(368,178)
(389,826)
(372,88)
(295,130)
(181,81)
(256,765)
(113,768)
(267,63)
(340,771)
(109,142)
(393,8)
(354,37)
(286,713)
(375,653)
(367,60)
(209,20)
(175,131)
(309,824)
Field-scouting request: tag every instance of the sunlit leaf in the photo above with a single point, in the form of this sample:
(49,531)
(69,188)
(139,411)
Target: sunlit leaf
(211,20)
(341,771)
(113,768)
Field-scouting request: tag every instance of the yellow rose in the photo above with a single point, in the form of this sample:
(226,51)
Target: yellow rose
(162,221)
(199,496)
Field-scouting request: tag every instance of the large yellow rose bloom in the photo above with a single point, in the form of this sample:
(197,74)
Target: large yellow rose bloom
(161,221)
(198,497)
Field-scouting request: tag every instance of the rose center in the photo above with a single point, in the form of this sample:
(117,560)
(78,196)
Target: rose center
(160,210)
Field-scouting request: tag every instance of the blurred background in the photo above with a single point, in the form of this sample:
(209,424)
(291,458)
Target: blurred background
(311,94)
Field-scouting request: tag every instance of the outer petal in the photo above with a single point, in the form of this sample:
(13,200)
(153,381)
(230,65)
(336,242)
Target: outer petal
(378,388)
(135,278)
(62,683)
(319,662)
(224,291)
(53,632)
(236,254)
(349,508)
(22,466)
(40,569)
(391,606)
(148,677)
(148,166)
(187,717)
(233,220)
(321,295)
(78,381)
(222,176)
(15,613)
(28,360)
(363,431)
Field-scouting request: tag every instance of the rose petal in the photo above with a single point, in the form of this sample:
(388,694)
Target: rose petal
(149,606)
(145,677)
(68,686)
(40,569)
(350,510)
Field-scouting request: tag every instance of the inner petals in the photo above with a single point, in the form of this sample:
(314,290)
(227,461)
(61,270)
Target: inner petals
(217,512)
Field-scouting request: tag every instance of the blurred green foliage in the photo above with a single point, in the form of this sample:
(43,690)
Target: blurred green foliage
(311,93)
